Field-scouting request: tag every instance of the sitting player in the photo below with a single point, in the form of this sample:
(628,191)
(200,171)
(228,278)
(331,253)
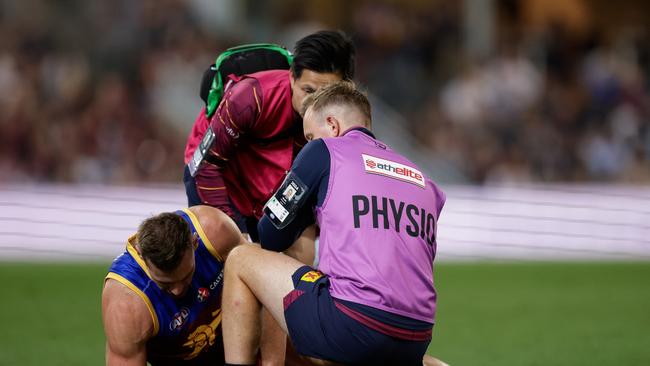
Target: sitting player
(161,301)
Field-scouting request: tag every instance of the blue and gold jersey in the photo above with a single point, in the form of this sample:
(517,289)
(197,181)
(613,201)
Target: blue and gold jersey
(186,330)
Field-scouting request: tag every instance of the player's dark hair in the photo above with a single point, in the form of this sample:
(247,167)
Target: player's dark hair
(324,52)
(340,93)
(163,240)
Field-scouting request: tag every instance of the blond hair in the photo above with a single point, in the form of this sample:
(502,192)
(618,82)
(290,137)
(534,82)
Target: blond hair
(339,93)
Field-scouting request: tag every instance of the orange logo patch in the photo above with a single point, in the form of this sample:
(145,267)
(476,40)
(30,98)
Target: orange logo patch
(311,276)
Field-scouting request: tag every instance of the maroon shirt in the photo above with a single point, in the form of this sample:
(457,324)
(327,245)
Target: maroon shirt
(258,134)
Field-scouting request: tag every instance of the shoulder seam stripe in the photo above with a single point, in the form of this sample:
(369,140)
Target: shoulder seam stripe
(145,298)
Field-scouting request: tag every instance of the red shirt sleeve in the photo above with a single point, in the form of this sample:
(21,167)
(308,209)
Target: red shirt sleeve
(194,139)
(236,115)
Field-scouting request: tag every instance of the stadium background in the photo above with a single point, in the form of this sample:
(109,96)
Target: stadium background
(534,115)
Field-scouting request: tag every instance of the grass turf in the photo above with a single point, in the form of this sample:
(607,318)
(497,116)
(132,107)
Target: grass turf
(488,314)
(543,314)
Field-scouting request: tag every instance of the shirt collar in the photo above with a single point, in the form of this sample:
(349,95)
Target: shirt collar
(359,128)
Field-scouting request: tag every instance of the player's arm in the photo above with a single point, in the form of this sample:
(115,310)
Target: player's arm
(221,230)
(236,116)
(127,325)
(285,218)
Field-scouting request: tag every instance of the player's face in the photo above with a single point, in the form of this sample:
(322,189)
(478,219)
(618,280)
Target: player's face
(177,282)
(309,82)
(316,125)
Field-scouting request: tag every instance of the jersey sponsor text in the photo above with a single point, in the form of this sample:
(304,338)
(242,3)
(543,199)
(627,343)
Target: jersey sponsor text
(388,168)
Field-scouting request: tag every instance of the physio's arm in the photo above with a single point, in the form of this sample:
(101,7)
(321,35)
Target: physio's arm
(127,325)
(235,117)
(310,171)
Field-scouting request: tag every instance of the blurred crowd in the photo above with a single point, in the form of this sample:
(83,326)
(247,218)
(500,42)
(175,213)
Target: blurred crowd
(99,92)
(106,91)
(553,105)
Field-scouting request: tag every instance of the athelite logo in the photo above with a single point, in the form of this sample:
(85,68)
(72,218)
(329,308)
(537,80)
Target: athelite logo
(179,319)
(392,169)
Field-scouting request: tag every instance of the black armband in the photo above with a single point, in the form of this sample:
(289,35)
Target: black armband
(284,205)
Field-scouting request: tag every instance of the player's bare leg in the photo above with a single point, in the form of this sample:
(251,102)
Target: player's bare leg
(273,342)
(432,361)
(253,273)
(273,345)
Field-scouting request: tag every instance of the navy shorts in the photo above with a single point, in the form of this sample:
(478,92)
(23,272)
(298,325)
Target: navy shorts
(318,329)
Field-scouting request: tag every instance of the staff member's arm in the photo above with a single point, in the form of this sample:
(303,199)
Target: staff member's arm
(127,325)
(236,115)
(291,209)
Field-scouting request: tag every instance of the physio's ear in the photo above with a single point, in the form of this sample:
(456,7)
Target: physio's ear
(333,125)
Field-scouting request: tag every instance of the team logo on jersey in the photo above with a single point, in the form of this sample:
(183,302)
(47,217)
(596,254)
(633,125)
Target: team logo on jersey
(311,276)
(203,337)
(203,294)
(179,319)
(392,169)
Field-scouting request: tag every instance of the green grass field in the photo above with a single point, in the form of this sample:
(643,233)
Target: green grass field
(488,314)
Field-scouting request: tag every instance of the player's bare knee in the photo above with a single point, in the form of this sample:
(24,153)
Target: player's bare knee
(236,257)
(231,262)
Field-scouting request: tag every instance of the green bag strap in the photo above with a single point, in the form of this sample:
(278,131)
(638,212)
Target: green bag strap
(216,92)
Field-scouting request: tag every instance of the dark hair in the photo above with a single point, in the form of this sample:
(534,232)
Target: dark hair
(341,93)
(324,51)
(163,240)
